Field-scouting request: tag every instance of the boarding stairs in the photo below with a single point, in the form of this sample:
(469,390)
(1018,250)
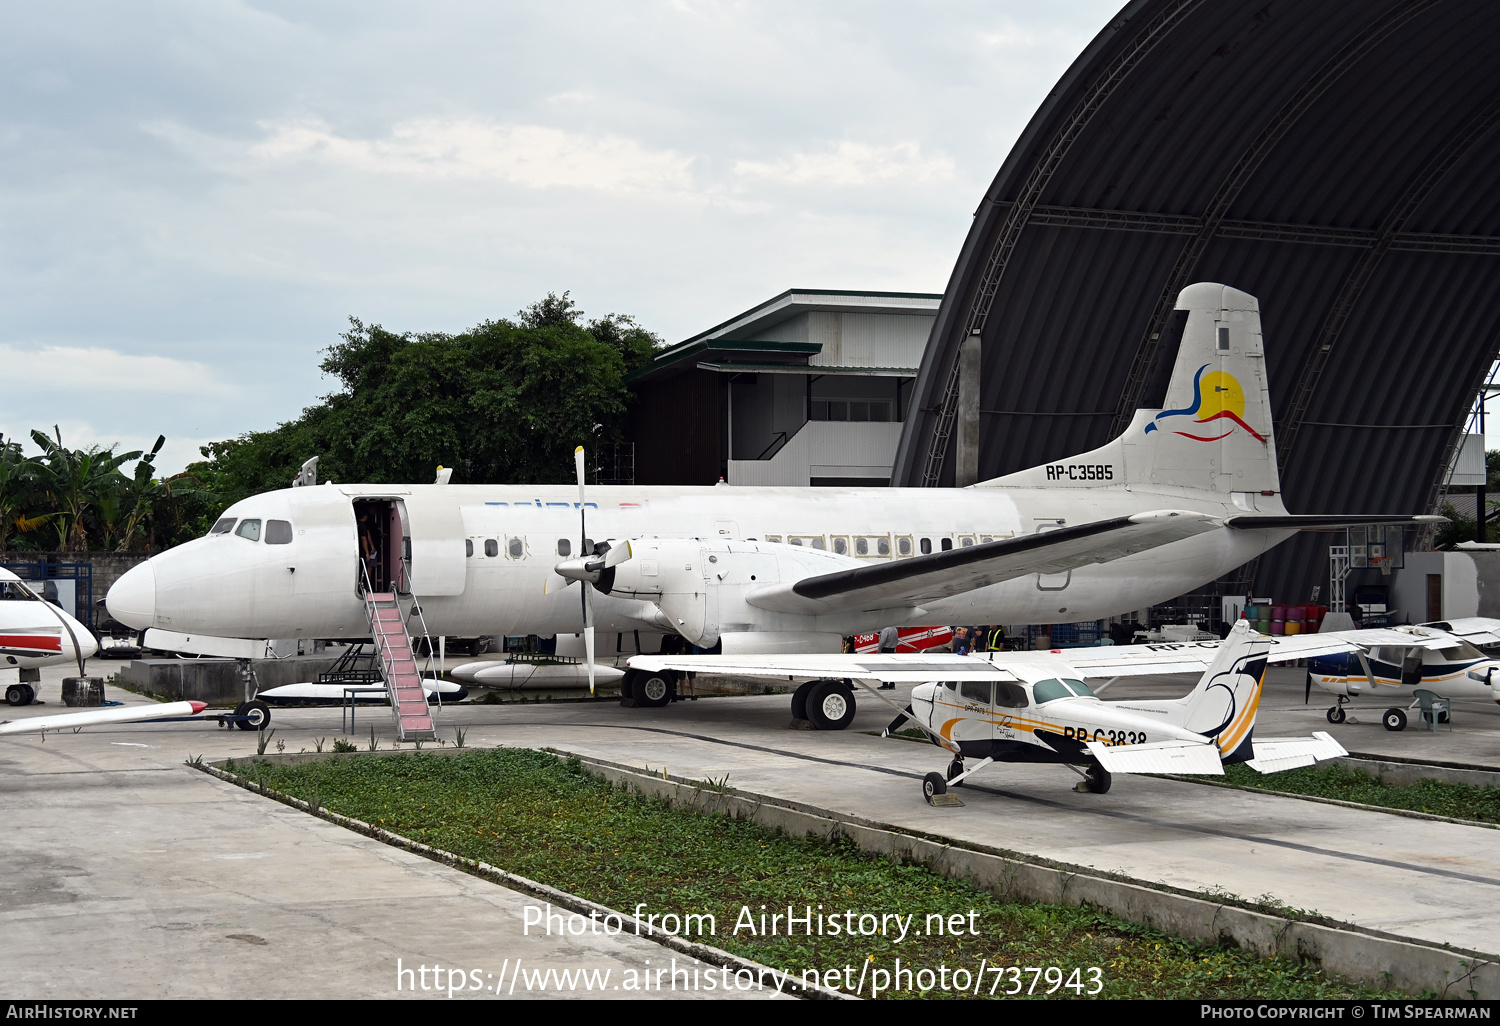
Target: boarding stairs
(398,665)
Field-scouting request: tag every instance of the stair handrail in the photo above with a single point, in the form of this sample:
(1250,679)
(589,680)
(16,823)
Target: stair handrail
(416,607)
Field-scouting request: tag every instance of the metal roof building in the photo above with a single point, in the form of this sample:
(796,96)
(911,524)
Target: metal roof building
(1340,160)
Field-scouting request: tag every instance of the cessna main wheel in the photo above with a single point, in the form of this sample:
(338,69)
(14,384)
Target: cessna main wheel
(1098,779)
(933,784)
(1336,714)
(830,705)
(1394,719)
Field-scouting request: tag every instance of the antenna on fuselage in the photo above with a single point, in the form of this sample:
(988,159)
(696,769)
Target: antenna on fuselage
(308,475)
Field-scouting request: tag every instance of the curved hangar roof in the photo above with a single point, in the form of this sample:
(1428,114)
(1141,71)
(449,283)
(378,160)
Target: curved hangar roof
(1339,160)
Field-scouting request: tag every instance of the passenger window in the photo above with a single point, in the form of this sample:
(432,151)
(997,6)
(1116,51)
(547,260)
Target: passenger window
(773,537)
(966,541)
(903,546)
(491,547)
(1009,696)
(975,691)
(249,529)
(882,546)
(817,543)
(278,532)
(517,548)
(222,525)
(841,545)
(926,546)
(564,547)
(469,547)
(947,544)
(794,541)
(862,546)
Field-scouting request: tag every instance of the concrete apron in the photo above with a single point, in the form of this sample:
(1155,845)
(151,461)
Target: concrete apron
(1345,949)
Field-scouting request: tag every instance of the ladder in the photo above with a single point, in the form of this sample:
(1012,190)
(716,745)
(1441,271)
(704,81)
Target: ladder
(398,665)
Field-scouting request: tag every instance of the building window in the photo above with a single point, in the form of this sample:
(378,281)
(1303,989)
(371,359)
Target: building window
(859,410)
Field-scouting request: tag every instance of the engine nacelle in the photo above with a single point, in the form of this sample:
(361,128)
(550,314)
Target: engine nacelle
(703,589)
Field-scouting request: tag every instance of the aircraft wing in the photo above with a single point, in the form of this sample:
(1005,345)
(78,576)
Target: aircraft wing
(1159,757)
(909,582)
(889,669)
(1476,630)
(1274,754)
(1328,522)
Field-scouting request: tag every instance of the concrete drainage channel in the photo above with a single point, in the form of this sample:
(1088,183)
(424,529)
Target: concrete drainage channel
(1348,950)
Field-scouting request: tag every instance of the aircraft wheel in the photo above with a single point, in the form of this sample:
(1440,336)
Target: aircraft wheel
(653,690)
(627,688)
(1336,714)
(30,694)
(954,769)
(933,784)
(15,695)
(257,715)
(830,705)
(1098,779)
(799,699)
(1394,719)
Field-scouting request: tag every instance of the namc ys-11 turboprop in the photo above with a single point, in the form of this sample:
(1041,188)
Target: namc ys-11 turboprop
(1033,707)
(1187,493)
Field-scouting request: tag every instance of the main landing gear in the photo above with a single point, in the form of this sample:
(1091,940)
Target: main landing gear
(19,694)
(826,704)
(1394,719)
(648,690)
(1335,713)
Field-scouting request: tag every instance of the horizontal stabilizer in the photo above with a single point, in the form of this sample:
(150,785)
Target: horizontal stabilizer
(910,582)
(1159,757)
(1319,522)
(1274,754)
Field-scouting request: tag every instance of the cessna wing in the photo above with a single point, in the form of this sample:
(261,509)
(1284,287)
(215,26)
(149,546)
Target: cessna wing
(910,582)
(1476,630)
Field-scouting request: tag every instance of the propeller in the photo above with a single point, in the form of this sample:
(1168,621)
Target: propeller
(1307,689)
(588,569)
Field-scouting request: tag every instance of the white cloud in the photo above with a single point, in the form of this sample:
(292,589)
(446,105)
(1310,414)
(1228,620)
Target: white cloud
(533,156)
(854,164)
(72,368)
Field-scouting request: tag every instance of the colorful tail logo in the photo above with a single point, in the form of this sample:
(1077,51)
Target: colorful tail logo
(1225,401)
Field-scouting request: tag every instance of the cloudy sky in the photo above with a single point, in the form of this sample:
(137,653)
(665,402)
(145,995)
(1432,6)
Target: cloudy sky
(198,195)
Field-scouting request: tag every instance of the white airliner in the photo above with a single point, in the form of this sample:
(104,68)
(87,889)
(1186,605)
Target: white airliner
(1189,492)
(34,633)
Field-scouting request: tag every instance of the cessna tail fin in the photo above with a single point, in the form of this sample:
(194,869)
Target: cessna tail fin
(1205,421)
(1224,703)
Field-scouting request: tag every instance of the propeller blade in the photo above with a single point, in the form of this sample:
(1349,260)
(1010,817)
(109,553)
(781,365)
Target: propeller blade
(588,632)
(895,724)
(555,584)
(1307,690)
(618,553)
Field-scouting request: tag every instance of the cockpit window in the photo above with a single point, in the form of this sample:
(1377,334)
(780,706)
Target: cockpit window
(1080,689)
(1009,696)
(222,525)
(249,529)
(1050,690)
(278,532)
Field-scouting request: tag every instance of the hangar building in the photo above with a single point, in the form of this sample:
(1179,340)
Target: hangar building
(1339,160)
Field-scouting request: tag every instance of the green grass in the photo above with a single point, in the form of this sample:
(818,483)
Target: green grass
(532,814)
(1436,797)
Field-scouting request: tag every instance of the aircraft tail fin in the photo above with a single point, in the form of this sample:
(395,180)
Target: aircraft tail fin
(1205,417)
(1224,703)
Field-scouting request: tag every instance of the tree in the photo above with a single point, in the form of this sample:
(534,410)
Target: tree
(502,402)
(74,481)
(17,488)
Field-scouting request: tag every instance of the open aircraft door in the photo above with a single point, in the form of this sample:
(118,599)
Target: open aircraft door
(435,526)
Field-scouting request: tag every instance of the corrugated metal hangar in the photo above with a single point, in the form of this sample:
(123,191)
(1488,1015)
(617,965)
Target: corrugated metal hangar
(1339,160)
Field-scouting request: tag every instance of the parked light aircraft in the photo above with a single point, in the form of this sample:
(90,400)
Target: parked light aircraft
(1388,663)
(1034,707)
(1188,492)
(35,633)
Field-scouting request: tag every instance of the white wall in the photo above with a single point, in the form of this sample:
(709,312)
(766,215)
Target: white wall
(824,449)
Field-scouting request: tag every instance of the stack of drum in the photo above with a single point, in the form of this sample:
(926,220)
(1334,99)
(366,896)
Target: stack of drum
(1269,619)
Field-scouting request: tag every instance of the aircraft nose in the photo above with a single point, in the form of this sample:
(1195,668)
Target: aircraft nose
(132,599)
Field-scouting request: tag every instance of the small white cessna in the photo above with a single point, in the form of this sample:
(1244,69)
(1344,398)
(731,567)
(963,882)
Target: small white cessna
(1034,707)
(35,633)
(1189,492)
